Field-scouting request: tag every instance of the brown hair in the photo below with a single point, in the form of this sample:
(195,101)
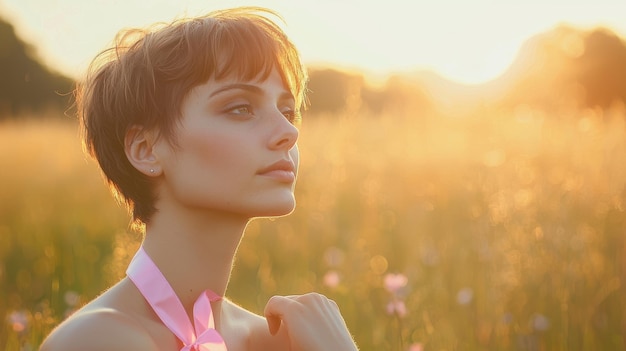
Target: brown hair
(143,79)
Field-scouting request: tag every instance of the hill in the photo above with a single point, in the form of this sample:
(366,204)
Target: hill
(567,66)
(563,67)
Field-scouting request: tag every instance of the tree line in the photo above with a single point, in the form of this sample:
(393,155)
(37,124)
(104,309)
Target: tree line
(588,67)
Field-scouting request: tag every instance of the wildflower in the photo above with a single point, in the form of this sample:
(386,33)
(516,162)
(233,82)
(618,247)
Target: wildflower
(18,320)
(71,298)
(465,296)
(332,279)
(396,307)
(395,282)
(540,322)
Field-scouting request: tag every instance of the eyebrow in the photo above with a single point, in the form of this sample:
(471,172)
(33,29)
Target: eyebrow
(248,87)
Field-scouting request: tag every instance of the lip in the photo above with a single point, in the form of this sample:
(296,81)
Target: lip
(282,170)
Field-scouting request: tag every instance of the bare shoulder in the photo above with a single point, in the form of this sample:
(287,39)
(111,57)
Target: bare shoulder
(99,329)
(113,321)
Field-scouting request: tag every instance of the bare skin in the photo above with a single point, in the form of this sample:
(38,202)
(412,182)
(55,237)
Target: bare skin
(121,319)
(209,187)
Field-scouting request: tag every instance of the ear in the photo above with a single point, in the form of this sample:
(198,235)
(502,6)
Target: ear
(138,146)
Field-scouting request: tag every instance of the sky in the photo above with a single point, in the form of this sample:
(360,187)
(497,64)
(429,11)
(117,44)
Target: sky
(470,41)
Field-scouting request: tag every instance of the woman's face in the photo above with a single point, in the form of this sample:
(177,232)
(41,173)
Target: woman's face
(235,150)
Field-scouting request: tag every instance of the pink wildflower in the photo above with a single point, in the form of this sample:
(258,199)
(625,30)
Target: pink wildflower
(396,307)
(395,282)
(71,298)
(18,321)
(332,279)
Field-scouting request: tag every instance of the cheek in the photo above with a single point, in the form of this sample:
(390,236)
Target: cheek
(214,152)
(207,169)
(204,145)
(199,154)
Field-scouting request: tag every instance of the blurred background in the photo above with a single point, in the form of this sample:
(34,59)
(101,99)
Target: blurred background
(462,184)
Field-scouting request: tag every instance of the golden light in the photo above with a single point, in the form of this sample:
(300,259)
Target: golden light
(469,42)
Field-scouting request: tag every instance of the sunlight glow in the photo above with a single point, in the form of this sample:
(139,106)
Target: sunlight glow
(469,42)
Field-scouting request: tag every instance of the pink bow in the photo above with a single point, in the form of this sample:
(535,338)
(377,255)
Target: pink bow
(157,291)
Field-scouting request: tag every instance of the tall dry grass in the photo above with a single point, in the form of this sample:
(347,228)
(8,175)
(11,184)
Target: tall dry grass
(508,227)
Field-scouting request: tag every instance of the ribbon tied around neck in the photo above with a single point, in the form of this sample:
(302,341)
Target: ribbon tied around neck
(203,336)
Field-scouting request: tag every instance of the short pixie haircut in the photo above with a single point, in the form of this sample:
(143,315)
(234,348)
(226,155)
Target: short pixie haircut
(144,78)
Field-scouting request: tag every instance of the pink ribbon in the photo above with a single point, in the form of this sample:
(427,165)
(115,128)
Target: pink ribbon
(157,291)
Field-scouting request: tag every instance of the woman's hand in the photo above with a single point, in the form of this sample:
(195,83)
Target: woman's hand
(312,322)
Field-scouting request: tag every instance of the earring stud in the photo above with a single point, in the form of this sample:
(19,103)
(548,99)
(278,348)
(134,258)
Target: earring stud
(151,170)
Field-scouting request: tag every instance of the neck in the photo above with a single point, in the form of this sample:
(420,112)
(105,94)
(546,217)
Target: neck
(194,251)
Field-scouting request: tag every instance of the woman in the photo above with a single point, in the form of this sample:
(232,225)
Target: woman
(192,124)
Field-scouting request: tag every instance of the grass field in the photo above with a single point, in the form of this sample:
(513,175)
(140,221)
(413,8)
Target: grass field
(500,231)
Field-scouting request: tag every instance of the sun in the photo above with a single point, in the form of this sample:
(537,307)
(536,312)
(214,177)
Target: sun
(468,42)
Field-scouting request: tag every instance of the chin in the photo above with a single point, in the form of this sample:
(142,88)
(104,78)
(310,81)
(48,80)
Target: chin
(277,209)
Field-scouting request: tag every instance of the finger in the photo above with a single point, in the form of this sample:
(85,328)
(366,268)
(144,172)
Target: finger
(334,304)
(274,311)
(273,324)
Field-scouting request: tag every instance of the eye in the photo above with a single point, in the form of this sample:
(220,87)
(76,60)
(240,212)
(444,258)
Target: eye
(243,109)
(291,115)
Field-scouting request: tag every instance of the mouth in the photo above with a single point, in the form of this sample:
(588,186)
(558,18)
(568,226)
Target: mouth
(283,171)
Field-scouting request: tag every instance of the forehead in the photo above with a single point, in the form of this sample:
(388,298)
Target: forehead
(233,66)
(250,52)
(272,86)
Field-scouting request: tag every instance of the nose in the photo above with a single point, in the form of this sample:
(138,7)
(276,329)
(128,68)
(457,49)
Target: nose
(284,134)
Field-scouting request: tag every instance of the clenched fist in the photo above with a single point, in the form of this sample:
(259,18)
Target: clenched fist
(312,322)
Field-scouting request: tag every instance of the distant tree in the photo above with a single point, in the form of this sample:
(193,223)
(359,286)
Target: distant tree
(601,69)
(567,66)
(333,91)
(25,83)
(338,92)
